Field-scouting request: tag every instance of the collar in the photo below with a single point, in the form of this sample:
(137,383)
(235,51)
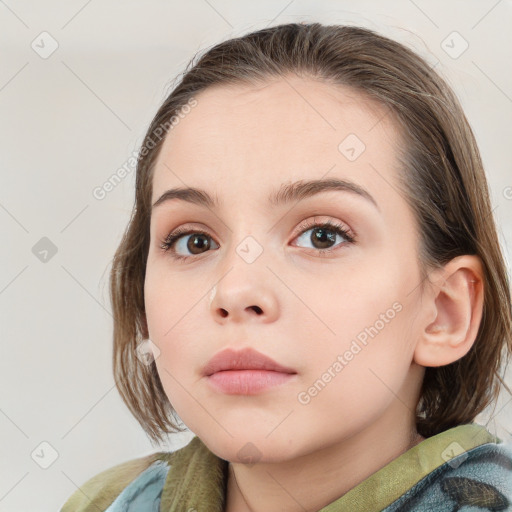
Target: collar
(198,478)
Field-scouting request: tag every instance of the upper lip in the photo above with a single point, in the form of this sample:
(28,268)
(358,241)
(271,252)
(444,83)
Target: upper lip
(246,359)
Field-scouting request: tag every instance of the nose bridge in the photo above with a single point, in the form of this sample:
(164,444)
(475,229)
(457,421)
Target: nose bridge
(249,233)
(245,262)
(244,286)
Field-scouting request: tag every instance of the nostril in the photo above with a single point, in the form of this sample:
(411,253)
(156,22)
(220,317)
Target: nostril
(257,309)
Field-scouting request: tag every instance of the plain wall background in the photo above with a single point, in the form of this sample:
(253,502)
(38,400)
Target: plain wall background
(70,120)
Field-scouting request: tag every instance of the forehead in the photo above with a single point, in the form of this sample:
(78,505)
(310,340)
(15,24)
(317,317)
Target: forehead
(247,140)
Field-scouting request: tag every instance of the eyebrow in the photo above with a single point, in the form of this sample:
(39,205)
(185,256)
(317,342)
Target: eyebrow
(287,193)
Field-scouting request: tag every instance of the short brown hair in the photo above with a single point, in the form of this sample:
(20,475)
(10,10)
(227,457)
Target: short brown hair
(441,177)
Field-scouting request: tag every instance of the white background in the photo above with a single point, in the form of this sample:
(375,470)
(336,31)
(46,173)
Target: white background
(69,121)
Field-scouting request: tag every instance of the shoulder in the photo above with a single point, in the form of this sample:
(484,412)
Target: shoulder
(482,477)
(163,480)
(479,477)
(98,493)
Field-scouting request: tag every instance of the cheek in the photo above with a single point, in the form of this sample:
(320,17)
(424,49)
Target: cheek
(342,304)
(172,316)
(169,301)
(369,319)
(357,376)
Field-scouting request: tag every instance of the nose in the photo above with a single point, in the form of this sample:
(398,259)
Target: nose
(243,295)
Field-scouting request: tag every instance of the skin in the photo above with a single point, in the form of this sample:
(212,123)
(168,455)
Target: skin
(240,143)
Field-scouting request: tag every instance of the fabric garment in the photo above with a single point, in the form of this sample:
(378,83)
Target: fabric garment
(464,469)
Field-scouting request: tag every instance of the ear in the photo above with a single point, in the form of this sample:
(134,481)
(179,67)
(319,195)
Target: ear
(454,306)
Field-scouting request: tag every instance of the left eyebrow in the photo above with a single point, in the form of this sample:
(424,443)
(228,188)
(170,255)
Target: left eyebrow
(287,193)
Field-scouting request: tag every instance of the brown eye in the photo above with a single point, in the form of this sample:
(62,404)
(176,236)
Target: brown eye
(196,243)
(185,244)
(323,235)
(321,238)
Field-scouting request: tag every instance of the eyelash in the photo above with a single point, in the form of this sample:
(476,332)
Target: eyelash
(168,243)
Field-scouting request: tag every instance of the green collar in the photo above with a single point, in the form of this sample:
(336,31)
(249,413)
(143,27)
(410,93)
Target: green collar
(198,477)
(393,480)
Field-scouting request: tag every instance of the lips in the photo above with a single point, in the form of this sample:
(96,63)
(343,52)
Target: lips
(246,359)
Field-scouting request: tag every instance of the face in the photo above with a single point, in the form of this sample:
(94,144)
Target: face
(336,304)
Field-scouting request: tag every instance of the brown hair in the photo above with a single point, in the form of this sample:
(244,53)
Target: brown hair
(441,177)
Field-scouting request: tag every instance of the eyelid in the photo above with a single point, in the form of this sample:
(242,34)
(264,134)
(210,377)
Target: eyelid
(317,221)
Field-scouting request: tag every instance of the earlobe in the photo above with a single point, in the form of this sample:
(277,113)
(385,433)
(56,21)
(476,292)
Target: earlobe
(453,308)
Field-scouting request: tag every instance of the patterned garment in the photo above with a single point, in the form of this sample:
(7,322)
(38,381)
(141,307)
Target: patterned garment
(463,469)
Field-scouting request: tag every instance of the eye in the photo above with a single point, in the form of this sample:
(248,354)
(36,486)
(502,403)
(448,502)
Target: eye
(194,244)
(323,235)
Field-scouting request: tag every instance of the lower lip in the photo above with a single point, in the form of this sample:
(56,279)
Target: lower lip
(247,382)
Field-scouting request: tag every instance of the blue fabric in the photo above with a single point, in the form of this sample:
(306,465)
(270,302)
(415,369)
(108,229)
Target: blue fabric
(475,481)
(144,493)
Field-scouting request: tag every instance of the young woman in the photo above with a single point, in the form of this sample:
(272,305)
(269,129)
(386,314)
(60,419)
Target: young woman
(311,282)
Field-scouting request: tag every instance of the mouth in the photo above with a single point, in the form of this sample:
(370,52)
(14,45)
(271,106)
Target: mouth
(245,372)
(246,359)
(247,382)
